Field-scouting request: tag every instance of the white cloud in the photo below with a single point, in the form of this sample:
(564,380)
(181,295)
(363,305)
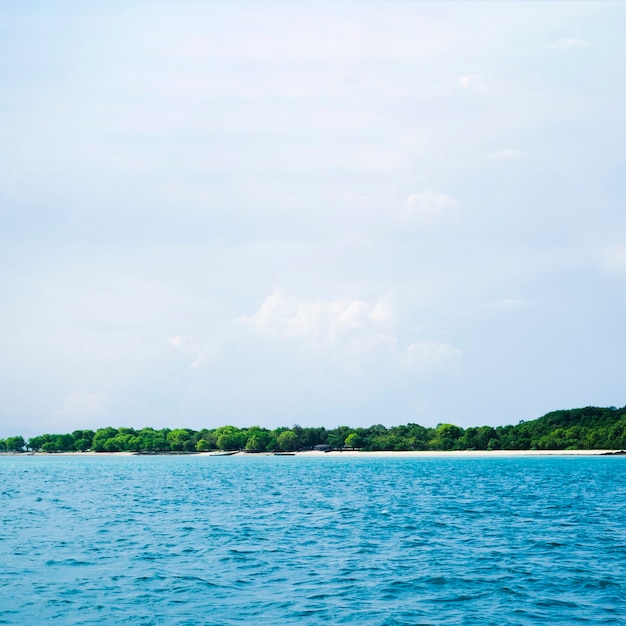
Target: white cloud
(353,331)
(183,342)
(509,304)
(570,43)
(382,311)
(188,344)
(350,331)
(431,353)
(316,321)
(508,154)
(613,259)
(430,206)
(473,82)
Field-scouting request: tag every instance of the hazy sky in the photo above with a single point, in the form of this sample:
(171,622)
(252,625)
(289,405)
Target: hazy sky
(305,212)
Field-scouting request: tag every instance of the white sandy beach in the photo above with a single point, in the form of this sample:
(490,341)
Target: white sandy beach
(431,453)
(459,453)
(347,454)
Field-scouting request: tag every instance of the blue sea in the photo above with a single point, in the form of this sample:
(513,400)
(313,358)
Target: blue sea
(295,540)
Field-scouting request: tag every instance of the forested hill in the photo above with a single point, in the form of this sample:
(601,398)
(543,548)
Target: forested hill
(574,429)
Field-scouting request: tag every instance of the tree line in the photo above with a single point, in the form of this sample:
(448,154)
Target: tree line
(574,429)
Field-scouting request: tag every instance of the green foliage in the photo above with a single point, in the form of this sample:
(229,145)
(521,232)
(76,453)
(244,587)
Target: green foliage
(203,445)
(15,444)
(287,441)
(82,444)
(230,438)
(181,439)
(337,437)
(101,437)
(35,443)
(586,428)
(353,441)
(259,439)
(446,437)
(254,443)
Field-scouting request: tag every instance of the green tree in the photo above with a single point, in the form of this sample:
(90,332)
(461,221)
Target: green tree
(337,436)
(35,443)
(82,444)
(446,437)
(101,436)
(208,436)
(353,441)
(84,434)
(254,443)
(203,446)
(112,445)
(65,443)
(15,444)
(230,438)
(178,438)
(150,439)
(287,440)
(493,444)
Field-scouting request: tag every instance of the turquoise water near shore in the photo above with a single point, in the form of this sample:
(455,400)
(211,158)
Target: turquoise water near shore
(292,540)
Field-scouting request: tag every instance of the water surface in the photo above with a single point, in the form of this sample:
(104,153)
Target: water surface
(289,540)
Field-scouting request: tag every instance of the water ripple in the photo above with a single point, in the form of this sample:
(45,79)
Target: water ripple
(377,542)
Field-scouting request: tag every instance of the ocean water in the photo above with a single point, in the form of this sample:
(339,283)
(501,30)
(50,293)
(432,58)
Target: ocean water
(292,540)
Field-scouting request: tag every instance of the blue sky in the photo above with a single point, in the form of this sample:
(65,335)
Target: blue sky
(318,213)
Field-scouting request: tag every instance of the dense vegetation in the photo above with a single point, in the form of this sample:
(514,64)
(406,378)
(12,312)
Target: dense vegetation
(588,428)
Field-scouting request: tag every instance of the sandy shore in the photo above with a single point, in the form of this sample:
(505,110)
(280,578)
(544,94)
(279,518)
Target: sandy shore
(352,454)
(347,454)
(464,453)
(460,453)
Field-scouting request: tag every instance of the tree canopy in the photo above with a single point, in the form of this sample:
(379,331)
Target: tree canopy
(573,429)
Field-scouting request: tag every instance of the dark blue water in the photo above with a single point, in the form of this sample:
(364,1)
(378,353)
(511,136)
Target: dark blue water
(291,540)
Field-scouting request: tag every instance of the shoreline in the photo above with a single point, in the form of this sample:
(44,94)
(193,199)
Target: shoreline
(460,453)
(347,453)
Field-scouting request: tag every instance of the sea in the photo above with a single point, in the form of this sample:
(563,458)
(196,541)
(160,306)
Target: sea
(281,540)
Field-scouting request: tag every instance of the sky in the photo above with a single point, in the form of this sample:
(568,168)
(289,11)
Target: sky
(315,213)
